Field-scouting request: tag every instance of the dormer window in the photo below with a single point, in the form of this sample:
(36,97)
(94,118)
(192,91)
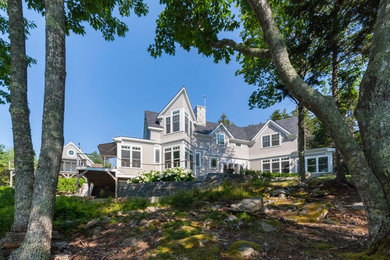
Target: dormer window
(220,139)
(176,121)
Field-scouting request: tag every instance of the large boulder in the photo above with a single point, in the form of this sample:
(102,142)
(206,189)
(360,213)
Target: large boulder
(252,205)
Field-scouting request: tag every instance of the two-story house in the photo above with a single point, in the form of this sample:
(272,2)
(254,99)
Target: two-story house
(180,136)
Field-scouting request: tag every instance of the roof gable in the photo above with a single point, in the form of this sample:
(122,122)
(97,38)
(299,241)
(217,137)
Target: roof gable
(223,127)
(71,145)
(182,93)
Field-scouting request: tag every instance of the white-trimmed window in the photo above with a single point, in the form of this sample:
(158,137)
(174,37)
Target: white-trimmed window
(270,140)
(168,124)
(275,139)
(71,152)
(266,141)
(156,155)
(136,157)
(131,156)
(186,123)
(68,166)
(172,157)
(198,158)
(176,121)
(266,165)
(276,165)
(317,164)
(220,138)
(189,159)
(213,163)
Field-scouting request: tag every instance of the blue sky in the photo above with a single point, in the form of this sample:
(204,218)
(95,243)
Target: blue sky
(110,84)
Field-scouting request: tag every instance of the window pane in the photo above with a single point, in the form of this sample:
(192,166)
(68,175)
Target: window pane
(186,124)
(73,167)
(125,160)
(220,139)
(213,163)
(266,167)
(157,156)
(197,158)
(285,166)
(168,159)
(311,165)
(168,124)
(191,161)
(275,139)
(266,141)
(323,164)
(176,159)
(176,123)
(275,167)
(136,160)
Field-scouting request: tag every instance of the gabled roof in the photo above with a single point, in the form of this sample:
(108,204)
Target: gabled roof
(151,119)
(289,125)
(79,151)
(183,92)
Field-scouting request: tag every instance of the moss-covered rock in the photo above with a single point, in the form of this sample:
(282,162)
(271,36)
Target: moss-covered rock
(201,246)
(313,212)
(234,249)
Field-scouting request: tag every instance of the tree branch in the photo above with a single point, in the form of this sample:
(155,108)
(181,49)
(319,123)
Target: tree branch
(246,50)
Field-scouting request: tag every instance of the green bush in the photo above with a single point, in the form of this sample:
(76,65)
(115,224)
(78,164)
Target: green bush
(172,174)
(68,185)
(6,209)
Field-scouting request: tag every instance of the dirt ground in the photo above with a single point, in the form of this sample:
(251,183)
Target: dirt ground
(211,230)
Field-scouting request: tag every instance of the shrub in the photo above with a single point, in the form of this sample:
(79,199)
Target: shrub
(173,174)
(6,209)
(68,185)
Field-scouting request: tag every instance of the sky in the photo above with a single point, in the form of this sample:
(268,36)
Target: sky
(109,85)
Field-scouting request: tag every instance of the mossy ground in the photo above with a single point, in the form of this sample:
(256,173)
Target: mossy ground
(200,225)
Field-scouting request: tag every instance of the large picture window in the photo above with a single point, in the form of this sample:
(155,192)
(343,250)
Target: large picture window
(276,165)
(323,164)
(312,165)
(176,121)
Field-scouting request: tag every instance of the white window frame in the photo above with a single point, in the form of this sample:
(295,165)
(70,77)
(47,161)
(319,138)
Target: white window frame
(170,125)
(198,163)
(270,140)
(171,150)
(174,113)
(217,138)
(131,149)
(159,153)
(274,160)
(317,163)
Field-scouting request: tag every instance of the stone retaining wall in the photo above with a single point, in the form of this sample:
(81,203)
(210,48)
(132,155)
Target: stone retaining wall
(157,189)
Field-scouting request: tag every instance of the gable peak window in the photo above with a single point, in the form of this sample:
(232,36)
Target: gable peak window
(220,138)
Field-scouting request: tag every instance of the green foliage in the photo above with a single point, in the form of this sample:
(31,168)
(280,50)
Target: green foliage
(97,158)
(68,185)
(172,174)
(98,14)
(224,120)
(6,155)
(6,209)
(277,115)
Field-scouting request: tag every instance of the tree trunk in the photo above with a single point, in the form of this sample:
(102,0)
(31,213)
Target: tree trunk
(38,238)
(370,169)
(339,165)
(24,153)
(301,142)
(373,114)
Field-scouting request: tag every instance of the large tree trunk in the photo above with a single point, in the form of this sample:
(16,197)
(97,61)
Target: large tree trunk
(301,142)
(339,162)
(369,170)
(373,113)
(24,153)
(38,238)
